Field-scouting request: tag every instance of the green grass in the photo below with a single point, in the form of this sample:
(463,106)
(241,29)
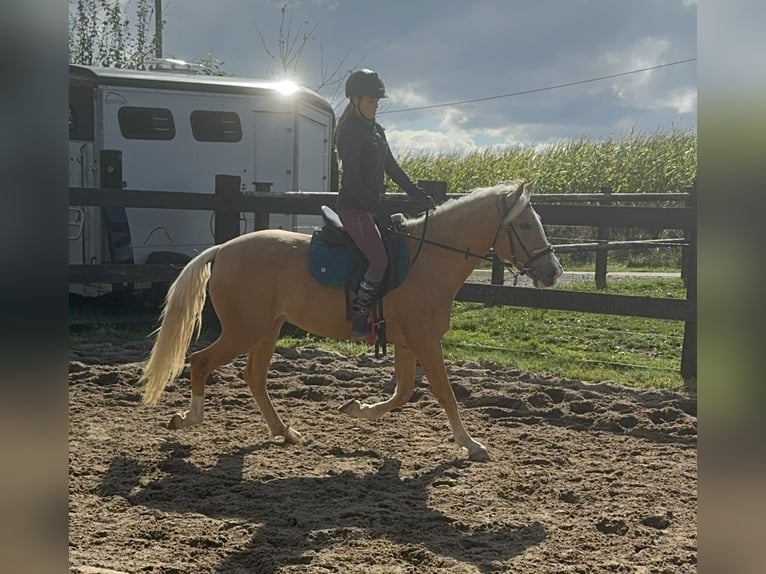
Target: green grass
(592,347)
(631,351)
(585,346)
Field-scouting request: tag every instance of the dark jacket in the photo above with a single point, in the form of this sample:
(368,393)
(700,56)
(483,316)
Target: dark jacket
(365,158)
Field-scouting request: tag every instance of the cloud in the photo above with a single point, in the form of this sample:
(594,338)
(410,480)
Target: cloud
(428,141)
(454,118)
(407,96)
(652,89)
(682,100)
(452,132)
(438,51)
(466,140)
(644,53)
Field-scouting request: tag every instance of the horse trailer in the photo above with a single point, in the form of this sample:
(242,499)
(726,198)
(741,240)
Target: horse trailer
(172,129)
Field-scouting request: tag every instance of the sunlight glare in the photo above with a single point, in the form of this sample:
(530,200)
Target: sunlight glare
(286,87)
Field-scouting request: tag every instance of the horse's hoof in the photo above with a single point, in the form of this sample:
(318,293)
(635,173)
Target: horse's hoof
(176,422)
(351,407)
(292,436)
(480,454)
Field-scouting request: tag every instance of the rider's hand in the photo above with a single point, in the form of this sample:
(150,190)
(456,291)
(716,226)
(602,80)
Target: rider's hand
(425,203)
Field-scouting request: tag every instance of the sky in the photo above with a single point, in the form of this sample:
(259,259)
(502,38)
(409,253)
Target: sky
(441,52)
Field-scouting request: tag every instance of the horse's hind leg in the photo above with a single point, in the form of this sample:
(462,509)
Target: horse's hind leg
(404,369)
(256,374)
(202,363)
(432,360)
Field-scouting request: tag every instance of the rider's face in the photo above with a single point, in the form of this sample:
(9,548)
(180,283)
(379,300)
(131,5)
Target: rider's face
(368,107)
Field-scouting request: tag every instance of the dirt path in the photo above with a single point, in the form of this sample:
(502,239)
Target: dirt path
(584,478)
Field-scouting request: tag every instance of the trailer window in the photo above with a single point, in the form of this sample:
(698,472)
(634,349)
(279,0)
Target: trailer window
(146,123)
(211,126)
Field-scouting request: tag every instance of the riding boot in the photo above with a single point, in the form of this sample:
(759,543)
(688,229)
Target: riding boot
(361,308)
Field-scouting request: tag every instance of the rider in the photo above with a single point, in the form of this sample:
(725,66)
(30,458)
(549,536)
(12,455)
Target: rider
(365,157)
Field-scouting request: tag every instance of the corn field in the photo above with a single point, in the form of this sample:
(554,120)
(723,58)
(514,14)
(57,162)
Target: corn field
(636,163)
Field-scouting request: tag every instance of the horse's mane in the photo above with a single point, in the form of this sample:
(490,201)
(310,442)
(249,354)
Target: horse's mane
(448,209)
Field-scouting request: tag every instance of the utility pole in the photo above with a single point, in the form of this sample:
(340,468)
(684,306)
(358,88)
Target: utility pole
(158,28)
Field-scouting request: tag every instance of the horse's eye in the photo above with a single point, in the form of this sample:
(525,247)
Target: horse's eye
(524,226)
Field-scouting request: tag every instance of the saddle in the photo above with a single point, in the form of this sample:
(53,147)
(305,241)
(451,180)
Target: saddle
(336,261)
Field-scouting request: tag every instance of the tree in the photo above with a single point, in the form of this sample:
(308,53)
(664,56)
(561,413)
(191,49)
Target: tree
(289,54)
(100,34)
(211,66)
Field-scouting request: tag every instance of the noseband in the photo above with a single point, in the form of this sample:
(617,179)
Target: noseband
(515,267)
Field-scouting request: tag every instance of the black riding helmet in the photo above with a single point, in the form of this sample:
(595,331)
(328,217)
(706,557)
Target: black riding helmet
(365,83)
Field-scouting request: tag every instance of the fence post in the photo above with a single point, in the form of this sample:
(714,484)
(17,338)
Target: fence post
(436,189)
(226,211)
(689,348)
(602,235)
(685,250)
(498,271)
(261,217)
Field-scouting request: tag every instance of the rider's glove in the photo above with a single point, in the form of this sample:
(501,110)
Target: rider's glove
(425,202)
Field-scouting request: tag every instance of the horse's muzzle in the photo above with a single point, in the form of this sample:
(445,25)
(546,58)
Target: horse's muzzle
(549,277)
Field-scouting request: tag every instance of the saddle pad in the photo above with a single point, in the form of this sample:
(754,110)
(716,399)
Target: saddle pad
(331,264)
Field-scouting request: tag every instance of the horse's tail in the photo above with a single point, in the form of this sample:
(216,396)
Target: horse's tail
(181,316)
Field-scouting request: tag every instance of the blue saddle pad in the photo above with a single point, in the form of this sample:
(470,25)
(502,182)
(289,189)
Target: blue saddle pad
(331,264)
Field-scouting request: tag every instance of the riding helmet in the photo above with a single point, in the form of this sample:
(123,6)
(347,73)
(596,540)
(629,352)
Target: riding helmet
(365,82)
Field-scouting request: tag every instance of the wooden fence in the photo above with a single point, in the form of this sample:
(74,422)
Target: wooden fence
(561,209)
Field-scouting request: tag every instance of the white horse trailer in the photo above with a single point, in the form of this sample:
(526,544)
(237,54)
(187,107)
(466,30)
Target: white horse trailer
(163,130)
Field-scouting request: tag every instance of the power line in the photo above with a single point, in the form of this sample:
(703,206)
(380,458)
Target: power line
(536,90)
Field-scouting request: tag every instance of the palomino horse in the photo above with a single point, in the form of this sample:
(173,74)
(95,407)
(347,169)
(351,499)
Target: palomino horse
(262,279)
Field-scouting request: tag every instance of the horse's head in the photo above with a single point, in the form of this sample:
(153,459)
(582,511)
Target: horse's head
(525,245)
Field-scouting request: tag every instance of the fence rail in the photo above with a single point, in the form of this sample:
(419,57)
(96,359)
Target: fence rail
(560,209)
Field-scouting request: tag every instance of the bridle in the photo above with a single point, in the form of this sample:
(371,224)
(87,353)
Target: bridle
(514,267)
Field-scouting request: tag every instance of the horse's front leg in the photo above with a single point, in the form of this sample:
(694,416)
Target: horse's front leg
(432,359)
(404,370)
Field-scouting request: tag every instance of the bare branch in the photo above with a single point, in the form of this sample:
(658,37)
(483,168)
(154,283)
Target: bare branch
(263,42)
(292,42)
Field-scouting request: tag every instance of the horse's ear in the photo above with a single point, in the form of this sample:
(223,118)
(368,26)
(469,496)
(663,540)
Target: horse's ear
(518,199)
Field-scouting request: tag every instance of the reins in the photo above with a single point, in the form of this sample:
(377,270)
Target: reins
(512,268)
(465,252)
(379,321)
(422,239)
